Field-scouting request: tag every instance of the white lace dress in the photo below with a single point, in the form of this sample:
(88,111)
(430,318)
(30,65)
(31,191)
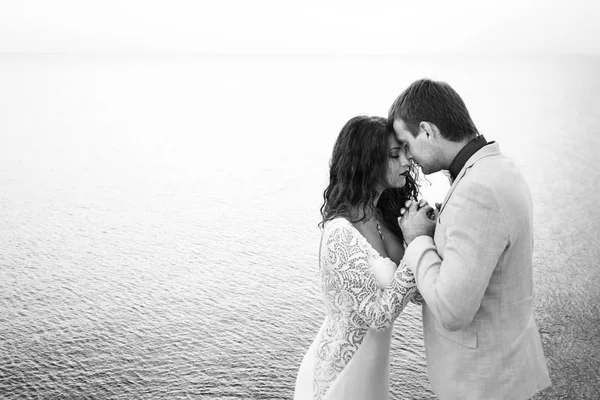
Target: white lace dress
(364,293)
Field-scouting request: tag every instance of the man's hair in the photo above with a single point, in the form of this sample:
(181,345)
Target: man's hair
(358,164)
(435,102)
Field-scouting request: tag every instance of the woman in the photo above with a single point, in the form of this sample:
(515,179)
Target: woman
(364,289)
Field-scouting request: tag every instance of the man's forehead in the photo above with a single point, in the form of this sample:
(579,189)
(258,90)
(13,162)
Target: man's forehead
(402,134)
(399,124)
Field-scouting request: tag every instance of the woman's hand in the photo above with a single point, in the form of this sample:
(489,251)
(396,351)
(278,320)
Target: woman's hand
(417,219)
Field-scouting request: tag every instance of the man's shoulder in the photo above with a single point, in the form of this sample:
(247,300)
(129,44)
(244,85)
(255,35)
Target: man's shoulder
(498,177)
(493,168)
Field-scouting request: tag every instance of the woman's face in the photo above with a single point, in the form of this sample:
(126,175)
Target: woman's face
(398,164)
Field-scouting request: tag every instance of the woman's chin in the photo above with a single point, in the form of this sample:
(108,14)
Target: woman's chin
(400,182)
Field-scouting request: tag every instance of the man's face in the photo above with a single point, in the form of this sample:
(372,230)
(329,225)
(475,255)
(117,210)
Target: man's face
(420,149)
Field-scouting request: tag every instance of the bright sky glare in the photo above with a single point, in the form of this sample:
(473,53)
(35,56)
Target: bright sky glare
(314,26)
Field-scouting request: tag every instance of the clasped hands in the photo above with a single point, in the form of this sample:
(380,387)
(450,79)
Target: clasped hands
(417,219)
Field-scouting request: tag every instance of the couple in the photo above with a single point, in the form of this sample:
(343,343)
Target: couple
(469,262)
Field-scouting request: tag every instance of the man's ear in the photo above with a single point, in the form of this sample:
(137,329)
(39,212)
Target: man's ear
(430,130)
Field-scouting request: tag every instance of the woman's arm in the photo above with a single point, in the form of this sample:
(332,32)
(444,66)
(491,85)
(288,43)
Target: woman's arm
(350,284)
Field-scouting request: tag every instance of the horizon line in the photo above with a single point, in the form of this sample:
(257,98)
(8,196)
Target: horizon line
(213,54)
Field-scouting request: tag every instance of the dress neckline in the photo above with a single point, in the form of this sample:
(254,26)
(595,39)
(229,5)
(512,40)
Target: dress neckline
(364,241)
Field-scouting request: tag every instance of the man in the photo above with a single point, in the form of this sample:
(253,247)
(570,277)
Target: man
(473,261)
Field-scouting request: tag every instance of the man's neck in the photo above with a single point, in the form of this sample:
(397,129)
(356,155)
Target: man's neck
(463,155)
(451,149)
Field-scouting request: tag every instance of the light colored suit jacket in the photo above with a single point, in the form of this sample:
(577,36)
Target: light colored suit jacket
(481,338)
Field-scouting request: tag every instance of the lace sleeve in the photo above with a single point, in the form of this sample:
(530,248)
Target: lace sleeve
(350,284)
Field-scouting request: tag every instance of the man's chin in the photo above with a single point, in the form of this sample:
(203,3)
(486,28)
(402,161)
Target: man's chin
(427,171)
(424,170)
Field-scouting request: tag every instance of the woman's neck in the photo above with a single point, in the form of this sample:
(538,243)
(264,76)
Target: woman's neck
(359,213)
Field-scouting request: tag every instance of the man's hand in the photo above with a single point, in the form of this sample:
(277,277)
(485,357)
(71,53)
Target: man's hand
(418,219)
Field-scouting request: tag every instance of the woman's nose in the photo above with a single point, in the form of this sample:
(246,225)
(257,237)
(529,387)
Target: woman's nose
(405,158)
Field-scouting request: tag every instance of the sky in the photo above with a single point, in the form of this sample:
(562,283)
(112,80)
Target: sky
(300,27)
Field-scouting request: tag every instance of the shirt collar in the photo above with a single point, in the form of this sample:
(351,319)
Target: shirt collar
(465,153)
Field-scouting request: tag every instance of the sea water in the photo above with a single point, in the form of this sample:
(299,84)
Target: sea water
(158,215)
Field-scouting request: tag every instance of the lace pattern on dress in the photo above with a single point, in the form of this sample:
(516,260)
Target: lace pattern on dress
(353,300)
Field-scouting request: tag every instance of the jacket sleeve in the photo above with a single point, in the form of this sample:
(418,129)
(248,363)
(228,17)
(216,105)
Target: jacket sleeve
(476,235)
(351,286)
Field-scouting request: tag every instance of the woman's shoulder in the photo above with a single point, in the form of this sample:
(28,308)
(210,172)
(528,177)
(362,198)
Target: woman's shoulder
(341,230)
(337,221)
(336,226)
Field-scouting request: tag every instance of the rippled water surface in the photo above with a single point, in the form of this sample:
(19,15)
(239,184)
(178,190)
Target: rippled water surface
(158,217)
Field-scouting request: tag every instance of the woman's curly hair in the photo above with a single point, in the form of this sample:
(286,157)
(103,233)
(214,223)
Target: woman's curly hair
(358,164)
